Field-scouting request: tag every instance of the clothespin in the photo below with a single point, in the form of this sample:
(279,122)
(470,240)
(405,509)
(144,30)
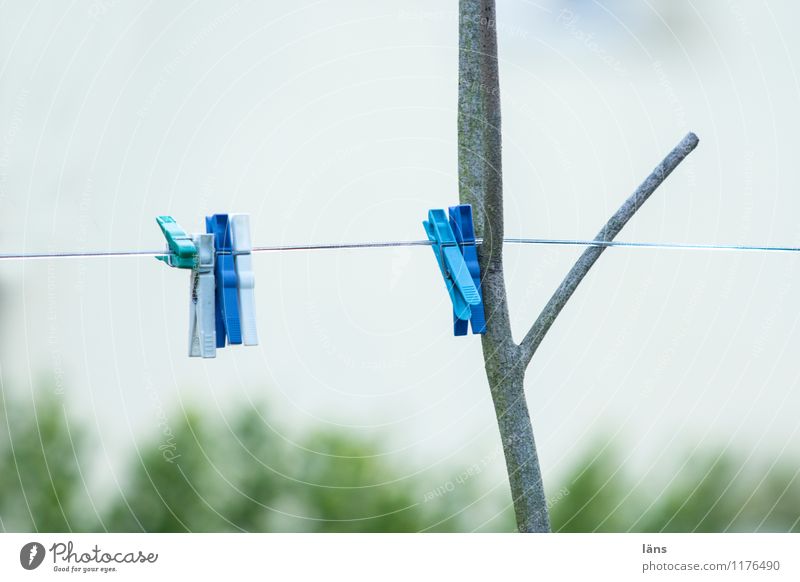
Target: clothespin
(202,322)
(195,253)
(182,252)
(227,300)
(458,280)
(243,262)
(464,230)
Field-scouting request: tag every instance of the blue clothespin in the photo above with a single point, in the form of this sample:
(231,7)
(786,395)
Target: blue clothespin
(227,301)
(457,277)
(464,230)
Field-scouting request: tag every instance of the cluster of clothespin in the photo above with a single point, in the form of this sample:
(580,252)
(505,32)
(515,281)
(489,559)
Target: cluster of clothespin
(221,287)
(222,299)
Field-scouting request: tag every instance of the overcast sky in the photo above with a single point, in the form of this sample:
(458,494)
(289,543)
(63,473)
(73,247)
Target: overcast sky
(335,121)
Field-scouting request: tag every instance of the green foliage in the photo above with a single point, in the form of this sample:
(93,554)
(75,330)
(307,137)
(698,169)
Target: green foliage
(705,496)
(41,485)
(174,492)
(239,474)
(243,476)
(707,493)
(597,497)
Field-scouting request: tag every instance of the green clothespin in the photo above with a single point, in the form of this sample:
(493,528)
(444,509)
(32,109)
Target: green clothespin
(182,250)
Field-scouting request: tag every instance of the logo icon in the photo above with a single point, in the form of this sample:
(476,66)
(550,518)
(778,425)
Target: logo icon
(31,555)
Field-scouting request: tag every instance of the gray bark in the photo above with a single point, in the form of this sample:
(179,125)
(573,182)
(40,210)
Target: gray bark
(481,184)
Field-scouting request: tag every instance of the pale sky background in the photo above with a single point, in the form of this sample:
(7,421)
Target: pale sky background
(335,121)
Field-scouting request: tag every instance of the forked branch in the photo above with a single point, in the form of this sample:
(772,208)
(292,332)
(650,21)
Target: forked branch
(542,325)
(481,184)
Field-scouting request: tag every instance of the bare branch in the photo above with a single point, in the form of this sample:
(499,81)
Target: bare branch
(542,325)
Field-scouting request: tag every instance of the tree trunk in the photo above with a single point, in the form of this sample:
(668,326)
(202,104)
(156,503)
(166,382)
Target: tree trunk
(481,184)
(480,174)
(519,448)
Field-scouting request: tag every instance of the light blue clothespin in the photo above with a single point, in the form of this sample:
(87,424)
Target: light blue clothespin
(458,280)
(464,229)
(202,322)
(195,253)
(242,249)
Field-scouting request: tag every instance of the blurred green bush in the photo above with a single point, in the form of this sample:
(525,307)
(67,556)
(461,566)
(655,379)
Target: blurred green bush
(216,477)
(710,492)
(243,476)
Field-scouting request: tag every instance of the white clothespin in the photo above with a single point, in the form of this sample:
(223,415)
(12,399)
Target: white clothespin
(202,325)
(243,262)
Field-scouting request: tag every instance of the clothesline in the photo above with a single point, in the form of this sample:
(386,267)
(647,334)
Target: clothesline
(410,243)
